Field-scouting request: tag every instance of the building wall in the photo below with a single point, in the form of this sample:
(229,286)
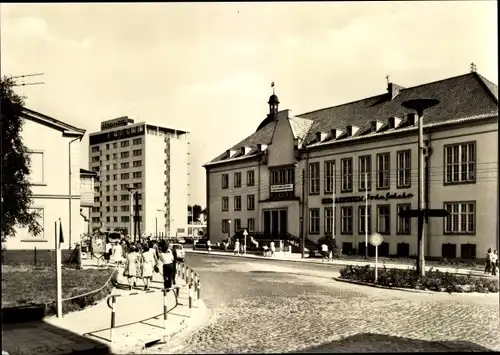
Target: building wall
(178,177)
(50,176)
(153,196)
(87,190)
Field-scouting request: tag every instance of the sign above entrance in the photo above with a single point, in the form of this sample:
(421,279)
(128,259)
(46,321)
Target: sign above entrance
(388,196)
(282,188)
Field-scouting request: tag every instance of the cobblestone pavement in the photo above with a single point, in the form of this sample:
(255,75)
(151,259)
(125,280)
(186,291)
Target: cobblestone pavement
(262,306)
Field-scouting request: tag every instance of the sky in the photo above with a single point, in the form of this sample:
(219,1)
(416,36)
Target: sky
(207,67)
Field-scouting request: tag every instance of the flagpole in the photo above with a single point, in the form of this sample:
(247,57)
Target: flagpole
(58,269)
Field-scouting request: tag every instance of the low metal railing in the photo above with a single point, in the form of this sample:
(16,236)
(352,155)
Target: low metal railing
(193,285)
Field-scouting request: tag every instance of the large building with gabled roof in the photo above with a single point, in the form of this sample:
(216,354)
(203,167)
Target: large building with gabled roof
(307,174)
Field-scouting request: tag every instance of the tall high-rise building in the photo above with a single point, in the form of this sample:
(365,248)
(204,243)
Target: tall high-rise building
(144,158)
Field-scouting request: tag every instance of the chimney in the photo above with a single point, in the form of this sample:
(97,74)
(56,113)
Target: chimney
(230,153)
(320,137)
(283,114)
(261,147)
(335,133)
(393,90)
(375,126)
(394,122)
(245,150)
(412,119)
(352,130)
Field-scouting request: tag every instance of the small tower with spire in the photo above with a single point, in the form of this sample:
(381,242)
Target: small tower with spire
(273,103)
(473,68)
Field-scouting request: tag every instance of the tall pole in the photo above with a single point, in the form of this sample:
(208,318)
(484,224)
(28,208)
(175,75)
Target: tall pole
(137,215)
(156,227)
(131,220)
(421,200)
(333,204)
(70,189)
(366,215)
(58,271)
(303,235)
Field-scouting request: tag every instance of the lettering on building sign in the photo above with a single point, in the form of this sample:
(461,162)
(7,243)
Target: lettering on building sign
(378,197)
(282,188)
(122,121)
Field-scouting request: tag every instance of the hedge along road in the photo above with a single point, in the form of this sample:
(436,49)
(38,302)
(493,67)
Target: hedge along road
(264,305)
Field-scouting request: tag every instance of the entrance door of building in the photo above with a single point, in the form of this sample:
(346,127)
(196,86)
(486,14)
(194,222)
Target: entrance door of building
(275,223)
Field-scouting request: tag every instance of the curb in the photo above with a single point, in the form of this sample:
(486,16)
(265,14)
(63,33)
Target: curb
(381,265)
(385,287)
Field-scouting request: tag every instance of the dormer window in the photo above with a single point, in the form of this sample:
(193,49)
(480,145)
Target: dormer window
(412,119)
(320,136)
(394,122)
(352,130)
(375,126)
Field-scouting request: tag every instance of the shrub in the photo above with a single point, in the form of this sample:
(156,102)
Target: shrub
(408,278)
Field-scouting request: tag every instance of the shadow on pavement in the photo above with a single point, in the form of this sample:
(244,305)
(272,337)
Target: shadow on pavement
(369,342)
(39,337)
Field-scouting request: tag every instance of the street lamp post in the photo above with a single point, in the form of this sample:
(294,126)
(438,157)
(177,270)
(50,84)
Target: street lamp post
(229,231)
(131,191)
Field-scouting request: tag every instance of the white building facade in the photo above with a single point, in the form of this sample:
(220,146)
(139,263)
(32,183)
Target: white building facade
(54,149)
(144,158)
(281,181)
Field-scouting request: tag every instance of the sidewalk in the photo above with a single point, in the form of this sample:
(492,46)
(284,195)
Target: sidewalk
(139,321)
(298,258)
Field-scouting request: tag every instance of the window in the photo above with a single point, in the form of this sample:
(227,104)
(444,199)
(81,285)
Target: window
(137,163)
(108,219)
(251,225)
(449,251)
(124,176)
(237,225)
(124,165)
(124,143)
(36,167)
(115,208)
(95,159)
(95,209)
(137,185)
(462,218)
(314,221)
(115,156)
(125,219)
(225,226)
(279,178)
(137,141)
(137,152)
(460,162)
(107,177)
(96,189)
(125,208)
(107,146)
(237,203)
(250,178)
(115,145)
(237,179)
(404,223)
(40,218)
(115,219)
(225,181)
(115,166)
(95,219)
(251,202)
(346,173)
(468,251)
(384,219)
(362,219)
(95,149)
(383,171)
(124,155)
(346,220)
(137,174)
(404,168)
(314,178)
(329,220)
(108,209)
(115,176)
(124,187)
(95,169)
(365,173)
(108,188)
(225,204)
(115,198)
(96,199)
(329,176)
(125,197)
(107,198)
(107,167)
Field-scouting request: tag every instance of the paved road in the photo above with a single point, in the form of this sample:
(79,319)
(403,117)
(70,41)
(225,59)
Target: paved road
(275,306)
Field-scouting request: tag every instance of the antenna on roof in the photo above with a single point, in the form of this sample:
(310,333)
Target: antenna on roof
(272,85)
(27,75)
(387,78)
(473,68)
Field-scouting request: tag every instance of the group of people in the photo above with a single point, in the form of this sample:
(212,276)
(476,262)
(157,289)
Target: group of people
(143,258)
(491,266)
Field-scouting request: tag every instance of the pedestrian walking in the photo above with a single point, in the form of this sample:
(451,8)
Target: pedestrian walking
(487,267)
(236,247)
(265,250)
(494,263)
(174,265)
(272,248)
(116,253)
(167,260)
(132,267)
(324,252)
(148,264)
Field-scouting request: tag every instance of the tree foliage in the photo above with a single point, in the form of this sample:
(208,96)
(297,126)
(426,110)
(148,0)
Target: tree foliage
(197,210)
(16,197)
